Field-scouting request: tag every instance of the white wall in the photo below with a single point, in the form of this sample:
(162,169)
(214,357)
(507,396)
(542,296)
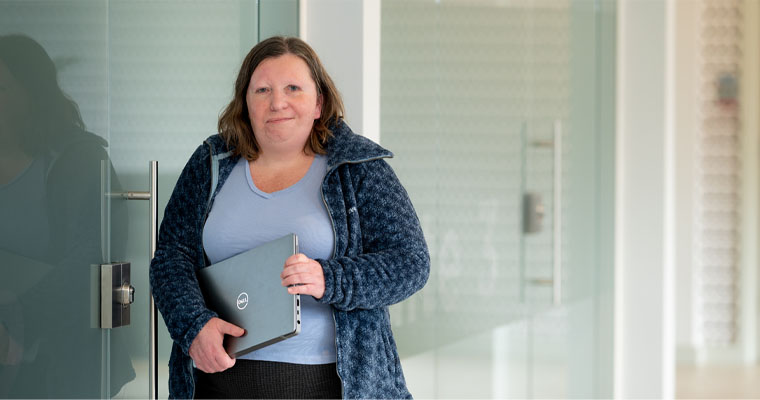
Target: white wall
(750,228)
(346,35)
(644,327)
(685,131)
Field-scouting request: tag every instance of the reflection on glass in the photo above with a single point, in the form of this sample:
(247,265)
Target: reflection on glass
(50,235)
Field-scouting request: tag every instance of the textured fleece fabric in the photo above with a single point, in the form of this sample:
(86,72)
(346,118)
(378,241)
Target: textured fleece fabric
(380,258)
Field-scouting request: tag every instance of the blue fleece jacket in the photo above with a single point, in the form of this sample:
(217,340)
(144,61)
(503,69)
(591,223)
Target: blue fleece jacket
(380,258)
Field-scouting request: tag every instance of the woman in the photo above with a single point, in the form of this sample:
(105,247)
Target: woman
(285,161)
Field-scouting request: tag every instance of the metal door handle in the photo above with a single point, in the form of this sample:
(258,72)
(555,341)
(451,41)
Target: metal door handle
(557,270)
(152,196)
(556,280)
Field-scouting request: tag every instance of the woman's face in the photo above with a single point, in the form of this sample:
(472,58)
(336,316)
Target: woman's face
(282,103)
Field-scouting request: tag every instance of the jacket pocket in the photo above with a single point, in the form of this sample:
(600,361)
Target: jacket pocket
(390,355)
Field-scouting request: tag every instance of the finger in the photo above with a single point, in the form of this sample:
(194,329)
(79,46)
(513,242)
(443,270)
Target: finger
(207,360)
(297,266)
(209,363)
(198,355)
(304,264)
(306,286)
(300,279)
(223,361)
(231,329)
(317,291)
(311,267)
(297,271)
(300,289)
(202,363)
(297,258)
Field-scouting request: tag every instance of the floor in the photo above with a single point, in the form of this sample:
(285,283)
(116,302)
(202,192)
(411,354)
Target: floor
(713,382)
(718,382)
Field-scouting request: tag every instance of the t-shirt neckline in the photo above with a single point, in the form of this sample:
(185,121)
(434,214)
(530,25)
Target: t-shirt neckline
(280,192)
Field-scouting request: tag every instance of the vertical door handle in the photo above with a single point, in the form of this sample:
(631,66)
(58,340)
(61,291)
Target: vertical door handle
(557,270)
(152,196)
(153,346)
(556,280)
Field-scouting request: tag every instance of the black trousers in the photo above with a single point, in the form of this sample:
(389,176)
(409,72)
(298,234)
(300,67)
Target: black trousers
(251,379)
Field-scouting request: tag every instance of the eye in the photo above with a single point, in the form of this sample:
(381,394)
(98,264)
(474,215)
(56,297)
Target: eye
(261,90)
(293,88)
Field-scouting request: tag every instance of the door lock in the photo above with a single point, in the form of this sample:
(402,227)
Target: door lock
(533,213)
(116,295)
(124,295)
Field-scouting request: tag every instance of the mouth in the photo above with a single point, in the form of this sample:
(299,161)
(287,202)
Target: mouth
(278,120)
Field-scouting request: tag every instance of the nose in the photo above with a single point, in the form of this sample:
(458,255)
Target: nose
(278,100)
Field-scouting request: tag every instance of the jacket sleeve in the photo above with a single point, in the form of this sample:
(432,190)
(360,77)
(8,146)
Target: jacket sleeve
(179,254)
(393,262)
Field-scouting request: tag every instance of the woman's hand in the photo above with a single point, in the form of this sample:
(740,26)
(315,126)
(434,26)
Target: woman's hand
(207,350)
(302,275)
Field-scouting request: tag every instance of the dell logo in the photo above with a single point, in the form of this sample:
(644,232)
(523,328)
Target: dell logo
(242,300)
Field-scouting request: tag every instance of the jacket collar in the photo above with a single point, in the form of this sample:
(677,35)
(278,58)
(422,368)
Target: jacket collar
(218,145)
(344,147)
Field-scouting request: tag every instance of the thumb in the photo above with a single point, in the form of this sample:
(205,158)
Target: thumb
(230,329)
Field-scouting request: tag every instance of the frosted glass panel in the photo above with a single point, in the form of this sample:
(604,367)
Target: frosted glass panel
(49,184)
(73,33)
(473,95)
(278,17)
(149,79)
(172,67)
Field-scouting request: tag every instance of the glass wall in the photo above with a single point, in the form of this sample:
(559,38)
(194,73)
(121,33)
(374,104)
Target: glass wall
(489,106)
(495,113)
(171,67)
(141,80)
(49,196)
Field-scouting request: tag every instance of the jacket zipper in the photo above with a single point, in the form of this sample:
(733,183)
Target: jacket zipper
(205,216)
(335,240)
(335,322)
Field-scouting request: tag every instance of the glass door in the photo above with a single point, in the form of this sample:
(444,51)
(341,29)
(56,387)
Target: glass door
(495,111)
(53,141)
(90,92)
(171,68)
(568,146)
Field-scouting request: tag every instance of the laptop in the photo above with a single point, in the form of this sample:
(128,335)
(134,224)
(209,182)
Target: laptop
(246,290)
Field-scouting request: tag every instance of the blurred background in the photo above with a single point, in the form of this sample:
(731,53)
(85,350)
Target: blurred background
(586,173)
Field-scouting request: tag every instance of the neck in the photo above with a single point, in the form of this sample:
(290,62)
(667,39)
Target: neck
(282,159)
(276,171)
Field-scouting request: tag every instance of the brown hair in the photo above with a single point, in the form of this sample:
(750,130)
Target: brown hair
(234,122)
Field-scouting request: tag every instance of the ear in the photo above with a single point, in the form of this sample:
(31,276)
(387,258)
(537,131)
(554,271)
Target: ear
(318,108)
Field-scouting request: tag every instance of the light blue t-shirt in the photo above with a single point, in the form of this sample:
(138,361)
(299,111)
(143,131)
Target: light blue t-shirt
(244,217)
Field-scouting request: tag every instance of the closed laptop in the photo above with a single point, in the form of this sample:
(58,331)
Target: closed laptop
(246,290)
